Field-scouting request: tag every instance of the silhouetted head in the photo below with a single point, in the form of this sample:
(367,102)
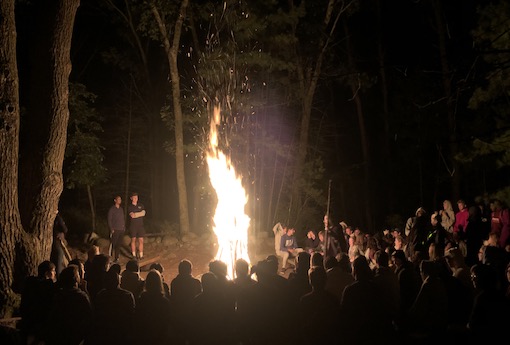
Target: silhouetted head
(69,277)
(242,268)
(428,269)
(81,268)
(272,264)
(185,267)
(93,251)
(133,266)
(101,262)
(209,282)
(157,266)
(331,262)
(317,277)
(303,262)
(360,269)
(112,279)
(484,277)
(219,268)
(317,260)
(382,258)
(153,282)
(115,268)
(46,270)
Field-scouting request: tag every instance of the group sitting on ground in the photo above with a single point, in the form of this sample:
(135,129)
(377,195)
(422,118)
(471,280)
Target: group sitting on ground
(427,284)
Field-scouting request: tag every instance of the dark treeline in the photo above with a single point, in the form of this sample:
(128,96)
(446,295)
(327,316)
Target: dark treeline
(363,109)
(389,120)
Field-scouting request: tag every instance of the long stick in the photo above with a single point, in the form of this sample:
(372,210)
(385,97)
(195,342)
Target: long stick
(326,224)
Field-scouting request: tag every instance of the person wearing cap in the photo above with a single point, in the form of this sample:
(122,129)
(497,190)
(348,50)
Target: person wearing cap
(136,213)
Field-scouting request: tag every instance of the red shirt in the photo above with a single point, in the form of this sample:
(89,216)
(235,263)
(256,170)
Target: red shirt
(461,221)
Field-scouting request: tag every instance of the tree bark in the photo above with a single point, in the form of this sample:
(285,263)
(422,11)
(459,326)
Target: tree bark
(10,222)
(27,232)
(171,51)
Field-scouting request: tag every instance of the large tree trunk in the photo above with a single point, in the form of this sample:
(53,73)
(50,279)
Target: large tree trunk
(10,222)
(27,232)
(171,52)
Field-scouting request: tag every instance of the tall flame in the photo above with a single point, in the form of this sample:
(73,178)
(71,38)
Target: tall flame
(230,221)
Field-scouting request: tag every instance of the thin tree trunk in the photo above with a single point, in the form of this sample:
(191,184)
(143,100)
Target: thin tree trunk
(308,77)
(128,156)
(356,88)
(387,155)
(92,208)
(171,52)
(446,75)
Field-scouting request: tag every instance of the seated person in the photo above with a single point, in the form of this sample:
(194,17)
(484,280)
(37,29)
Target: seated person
(289,247)
(311,241)
(131,280)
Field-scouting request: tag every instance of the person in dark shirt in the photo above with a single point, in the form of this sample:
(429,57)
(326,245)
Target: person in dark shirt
(312,242)
(117,226)
(136,213)
(114,310)
(70,318)
(36,300)
(153,319)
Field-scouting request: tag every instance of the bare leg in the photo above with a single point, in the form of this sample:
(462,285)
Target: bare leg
(133,246)
(140,246)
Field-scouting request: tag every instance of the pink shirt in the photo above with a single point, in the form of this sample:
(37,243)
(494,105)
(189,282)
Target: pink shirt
(461,221)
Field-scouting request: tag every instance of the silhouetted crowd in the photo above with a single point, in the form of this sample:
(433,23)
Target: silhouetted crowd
(377,290)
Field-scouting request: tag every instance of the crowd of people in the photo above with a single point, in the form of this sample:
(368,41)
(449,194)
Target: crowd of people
(425,284)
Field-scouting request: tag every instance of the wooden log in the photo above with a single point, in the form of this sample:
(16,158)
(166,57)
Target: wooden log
(148,261)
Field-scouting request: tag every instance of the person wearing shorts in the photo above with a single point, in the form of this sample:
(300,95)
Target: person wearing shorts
(137,231)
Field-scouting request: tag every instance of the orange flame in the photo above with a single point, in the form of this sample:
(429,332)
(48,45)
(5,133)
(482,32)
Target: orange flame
(230,221)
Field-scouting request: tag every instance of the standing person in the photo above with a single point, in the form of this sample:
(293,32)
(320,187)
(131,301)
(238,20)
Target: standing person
(58,256)
(461,218)
(447,216)
(500,220)
(136,213)
(117,226)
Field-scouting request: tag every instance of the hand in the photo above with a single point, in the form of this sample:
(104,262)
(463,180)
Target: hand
(132,214)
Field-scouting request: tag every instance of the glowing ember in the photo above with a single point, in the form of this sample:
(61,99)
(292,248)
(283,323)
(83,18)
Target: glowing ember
(230,222)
